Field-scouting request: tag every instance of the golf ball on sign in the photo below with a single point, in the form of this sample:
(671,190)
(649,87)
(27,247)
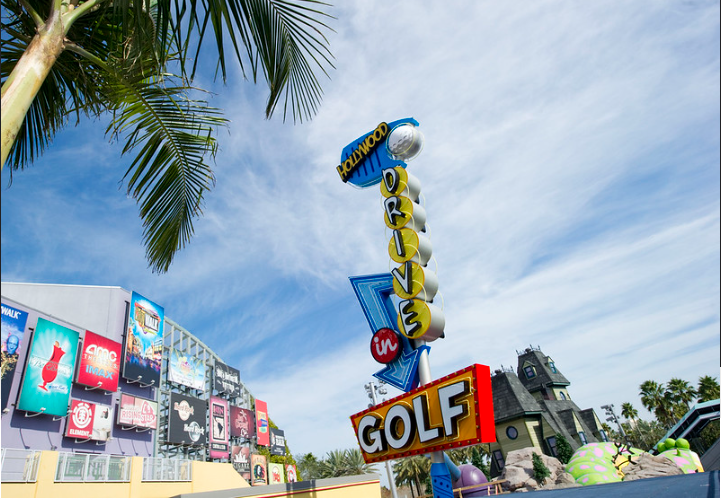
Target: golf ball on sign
(405,142)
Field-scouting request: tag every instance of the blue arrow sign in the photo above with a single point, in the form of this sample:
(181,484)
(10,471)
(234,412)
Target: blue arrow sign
(374,294)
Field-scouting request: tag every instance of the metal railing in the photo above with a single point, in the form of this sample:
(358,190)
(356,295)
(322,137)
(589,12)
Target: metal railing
(84,467)
(19,466)
(167,469)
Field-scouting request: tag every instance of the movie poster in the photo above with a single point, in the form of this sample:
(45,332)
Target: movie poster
(277,442)
(49,370)
(290,473)
(219,432)
(275,473)
(99,362)
(226,380)
(144,341)
(13,331)
(137,412)
(89,421)
(242,423)
(259,471)
(186,370)
(187,418)
(240,456)
(261,422)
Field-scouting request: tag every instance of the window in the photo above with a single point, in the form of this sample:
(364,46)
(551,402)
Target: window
(498,457)
(511,432)
(582,437)
(563,396)
(552,445)
(552,365)
(604,437)
(530,371)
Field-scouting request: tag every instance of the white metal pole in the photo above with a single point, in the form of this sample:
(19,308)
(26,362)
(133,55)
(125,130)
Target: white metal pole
(391,480)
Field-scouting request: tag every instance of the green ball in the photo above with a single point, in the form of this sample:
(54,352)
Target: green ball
(683,444)
(670,443)
(661,447)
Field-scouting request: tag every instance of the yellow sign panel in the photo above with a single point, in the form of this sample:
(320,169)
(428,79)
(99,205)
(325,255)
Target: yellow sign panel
(451,412)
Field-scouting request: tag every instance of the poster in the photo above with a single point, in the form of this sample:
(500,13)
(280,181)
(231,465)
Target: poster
(290,473)
(99,362)
(186,370)
(187,418)
(137,412)
(13,332)
(49,369)
(89,421)
(275,473)
(240,456)
(242,423)
(226,380)
(261,422)
(144,341)
(277,442)
(219,432)
(259,476)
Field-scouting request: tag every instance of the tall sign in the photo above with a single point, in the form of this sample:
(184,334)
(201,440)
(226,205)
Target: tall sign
(99,362)
(219,435)
(259,466)
(261,423)
(277,442)
(13,332)
(49,370)
(144,341)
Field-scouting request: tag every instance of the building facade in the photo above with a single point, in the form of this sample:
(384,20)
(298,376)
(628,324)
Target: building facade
(137,416)
(533,405)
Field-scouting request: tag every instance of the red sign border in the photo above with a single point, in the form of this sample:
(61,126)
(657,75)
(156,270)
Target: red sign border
(485,421)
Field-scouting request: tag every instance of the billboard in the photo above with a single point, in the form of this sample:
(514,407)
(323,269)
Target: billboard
(261,423)
(259,466)
(226,380)
(89,421)
(144,341)
(49,369)
(186,370)
(290,473)
(219,438)
(186,422)
(137,412)
(277,442)
(240,456)
(275,473)
(242,423)
(451,412)
(13,332)
(99,362)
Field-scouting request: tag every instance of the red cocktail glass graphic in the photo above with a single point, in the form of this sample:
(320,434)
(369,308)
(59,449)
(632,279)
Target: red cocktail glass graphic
(50,370)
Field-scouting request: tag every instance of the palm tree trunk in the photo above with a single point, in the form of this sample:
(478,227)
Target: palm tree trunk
(27,77)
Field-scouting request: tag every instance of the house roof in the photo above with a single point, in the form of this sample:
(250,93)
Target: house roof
(510,398)
(544,376)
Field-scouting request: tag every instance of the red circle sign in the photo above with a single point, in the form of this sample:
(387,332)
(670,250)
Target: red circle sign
(385,345)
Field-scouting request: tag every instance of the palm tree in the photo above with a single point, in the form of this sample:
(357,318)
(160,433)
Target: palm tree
(708,388)
(355,464)
(680,393)
(654,400)
(412,471)
(134,60)
(629,412)
(308,466)
(333,465)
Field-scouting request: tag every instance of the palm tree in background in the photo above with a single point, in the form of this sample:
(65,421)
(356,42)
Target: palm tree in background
(654,400)
(355,464)
(133,61)
(680,393)
(412,471)
(707,389)
(629,412)
(333,465)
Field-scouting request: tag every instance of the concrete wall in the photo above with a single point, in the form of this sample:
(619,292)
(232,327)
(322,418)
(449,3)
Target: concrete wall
(207,476)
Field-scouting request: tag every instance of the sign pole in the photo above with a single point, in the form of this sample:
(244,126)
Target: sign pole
(391,479)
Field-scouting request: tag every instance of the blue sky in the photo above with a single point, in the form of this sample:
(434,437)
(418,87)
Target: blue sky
(571,181)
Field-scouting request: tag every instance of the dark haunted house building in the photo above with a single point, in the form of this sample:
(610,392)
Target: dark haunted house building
(533,405)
